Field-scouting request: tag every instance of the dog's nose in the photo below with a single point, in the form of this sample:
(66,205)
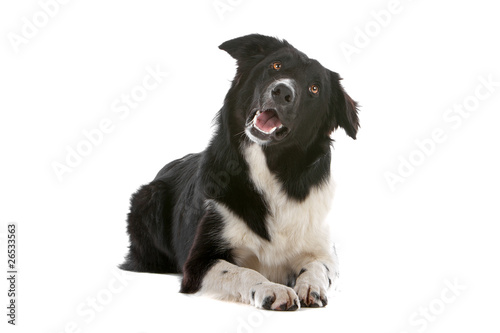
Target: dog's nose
(282,94)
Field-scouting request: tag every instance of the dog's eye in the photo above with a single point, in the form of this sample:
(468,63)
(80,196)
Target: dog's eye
(276,65)
(314,89)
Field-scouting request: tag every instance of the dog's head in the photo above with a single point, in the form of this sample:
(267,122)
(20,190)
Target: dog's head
(282,96)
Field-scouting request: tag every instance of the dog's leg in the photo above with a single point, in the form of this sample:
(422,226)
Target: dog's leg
(315,277)
(227,281)
(208,270)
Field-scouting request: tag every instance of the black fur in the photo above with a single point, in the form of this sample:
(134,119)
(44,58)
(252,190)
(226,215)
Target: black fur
(292,280)
(172,228)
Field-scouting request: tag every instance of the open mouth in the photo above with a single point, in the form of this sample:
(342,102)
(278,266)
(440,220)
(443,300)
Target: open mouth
(266,124)
(267,121)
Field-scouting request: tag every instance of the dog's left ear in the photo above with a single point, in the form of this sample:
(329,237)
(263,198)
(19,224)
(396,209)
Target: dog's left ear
(343,107)
(252,46)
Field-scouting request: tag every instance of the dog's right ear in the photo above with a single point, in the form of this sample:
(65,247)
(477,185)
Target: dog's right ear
(252,47)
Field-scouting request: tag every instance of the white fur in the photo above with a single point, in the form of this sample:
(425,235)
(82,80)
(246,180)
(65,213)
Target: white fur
(298,230)
(227,281)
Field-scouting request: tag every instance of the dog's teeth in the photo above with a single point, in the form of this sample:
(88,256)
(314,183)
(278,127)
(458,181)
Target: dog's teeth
(255,117)
(272,130)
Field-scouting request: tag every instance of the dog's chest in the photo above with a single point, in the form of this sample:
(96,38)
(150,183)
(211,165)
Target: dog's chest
(295,228)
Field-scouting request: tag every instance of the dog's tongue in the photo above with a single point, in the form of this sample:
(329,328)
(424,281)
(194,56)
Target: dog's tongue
(267,120)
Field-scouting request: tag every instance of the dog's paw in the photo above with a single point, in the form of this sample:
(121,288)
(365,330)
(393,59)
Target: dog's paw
(311,296)
(273,296)
(312,284)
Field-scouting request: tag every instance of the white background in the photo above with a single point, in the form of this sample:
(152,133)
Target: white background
(397,247)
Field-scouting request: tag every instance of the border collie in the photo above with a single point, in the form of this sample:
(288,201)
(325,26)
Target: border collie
(244,220)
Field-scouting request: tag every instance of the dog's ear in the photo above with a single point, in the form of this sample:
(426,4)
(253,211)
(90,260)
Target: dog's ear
(252,46)
(343,108)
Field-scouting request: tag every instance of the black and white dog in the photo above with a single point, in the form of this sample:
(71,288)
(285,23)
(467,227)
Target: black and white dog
(244,220)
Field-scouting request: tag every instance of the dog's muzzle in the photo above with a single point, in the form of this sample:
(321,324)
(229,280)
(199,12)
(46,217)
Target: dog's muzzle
(268,123)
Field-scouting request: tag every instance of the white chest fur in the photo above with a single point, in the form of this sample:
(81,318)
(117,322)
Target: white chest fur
(296,229)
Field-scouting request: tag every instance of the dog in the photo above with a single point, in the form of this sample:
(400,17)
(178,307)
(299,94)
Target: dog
(244,220)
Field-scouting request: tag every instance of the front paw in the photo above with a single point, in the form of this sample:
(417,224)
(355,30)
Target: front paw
(310,295)
(273,296)
(312,284)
